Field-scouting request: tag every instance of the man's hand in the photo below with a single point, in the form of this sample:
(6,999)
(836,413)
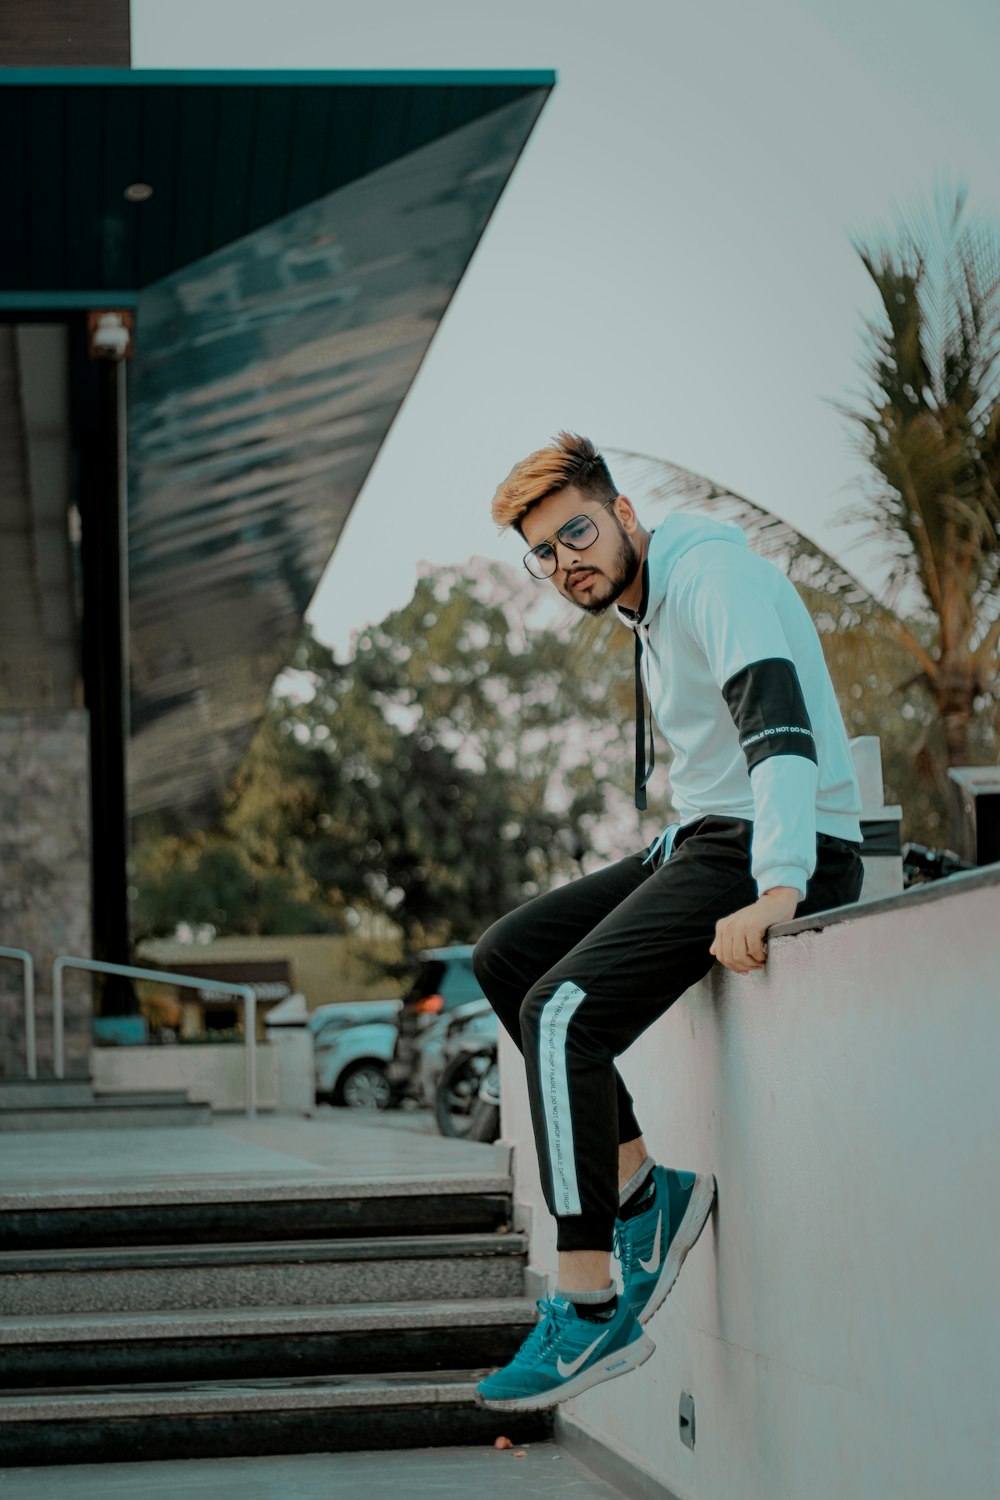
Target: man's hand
(739,939)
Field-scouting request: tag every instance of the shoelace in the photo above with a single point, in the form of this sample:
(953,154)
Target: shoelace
(623,1248)
(544,1334)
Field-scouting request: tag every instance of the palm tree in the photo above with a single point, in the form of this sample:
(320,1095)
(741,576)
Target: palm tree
(929,429)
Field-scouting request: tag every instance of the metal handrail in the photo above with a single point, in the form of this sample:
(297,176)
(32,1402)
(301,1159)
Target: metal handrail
(188,981)
(26,959)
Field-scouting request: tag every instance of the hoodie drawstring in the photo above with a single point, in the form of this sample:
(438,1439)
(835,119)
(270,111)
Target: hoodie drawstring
(643,763)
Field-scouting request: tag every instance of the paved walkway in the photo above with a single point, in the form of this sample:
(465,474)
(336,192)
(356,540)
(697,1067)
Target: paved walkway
(337,1145)
(416,1474)
(271,1152)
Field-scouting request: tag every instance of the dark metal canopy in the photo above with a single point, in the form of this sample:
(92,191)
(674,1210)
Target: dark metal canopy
(225,154)
(303,238)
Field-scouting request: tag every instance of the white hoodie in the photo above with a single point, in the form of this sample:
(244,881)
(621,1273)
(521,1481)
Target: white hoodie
(740,689)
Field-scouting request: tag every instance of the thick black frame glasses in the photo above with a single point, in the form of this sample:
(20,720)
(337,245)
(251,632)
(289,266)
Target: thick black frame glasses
(578,533)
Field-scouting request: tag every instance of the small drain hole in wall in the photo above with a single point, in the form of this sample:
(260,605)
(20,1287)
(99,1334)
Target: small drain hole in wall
(687,1419)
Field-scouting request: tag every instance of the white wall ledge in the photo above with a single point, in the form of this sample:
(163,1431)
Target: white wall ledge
(924,894)
(837,1323)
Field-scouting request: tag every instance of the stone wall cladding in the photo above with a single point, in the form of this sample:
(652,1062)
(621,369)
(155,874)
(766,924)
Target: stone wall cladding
(45,886)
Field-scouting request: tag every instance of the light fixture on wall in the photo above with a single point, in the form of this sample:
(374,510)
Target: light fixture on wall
(110,333)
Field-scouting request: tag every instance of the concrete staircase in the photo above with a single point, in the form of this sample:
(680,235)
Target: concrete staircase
(317,1318)
(73,1104)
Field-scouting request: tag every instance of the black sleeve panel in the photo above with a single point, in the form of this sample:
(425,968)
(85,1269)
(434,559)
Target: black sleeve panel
(769,711)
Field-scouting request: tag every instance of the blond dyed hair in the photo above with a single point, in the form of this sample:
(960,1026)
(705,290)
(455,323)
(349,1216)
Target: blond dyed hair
(570,460)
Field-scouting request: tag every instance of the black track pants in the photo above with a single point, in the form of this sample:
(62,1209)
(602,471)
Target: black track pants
(578,973)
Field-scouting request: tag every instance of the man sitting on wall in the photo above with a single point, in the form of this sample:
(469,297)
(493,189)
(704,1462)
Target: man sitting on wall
(764,784)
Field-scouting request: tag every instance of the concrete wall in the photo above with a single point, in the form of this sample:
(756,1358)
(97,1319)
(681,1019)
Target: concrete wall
(214,1074)
(44,877)
(837,1322)
(73,34)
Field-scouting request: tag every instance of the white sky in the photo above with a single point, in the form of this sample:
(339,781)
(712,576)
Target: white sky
(670,268)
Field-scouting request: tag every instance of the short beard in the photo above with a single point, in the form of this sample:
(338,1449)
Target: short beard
(623,572)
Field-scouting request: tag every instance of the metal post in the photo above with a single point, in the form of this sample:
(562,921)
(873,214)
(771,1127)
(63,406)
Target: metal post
(245,992)
(58,1061)
(104,555)
(30,1056)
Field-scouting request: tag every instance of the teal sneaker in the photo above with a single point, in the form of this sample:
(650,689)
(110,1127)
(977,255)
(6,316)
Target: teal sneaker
(563,1355)
(651,1246)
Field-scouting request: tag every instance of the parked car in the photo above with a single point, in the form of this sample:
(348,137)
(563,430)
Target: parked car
(352,1047)
(443,981)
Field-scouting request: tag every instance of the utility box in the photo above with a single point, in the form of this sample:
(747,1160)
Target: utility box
(976,813)
(286,1026)
(881,852)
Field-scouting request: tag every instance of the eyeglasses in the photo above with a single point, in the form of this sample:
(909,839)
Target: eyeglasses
(578,534)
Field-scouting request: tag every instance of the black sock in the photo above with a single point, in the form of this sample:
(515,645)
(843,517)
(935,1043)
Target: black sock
(597,1312)
(640,1200)
(596,1307)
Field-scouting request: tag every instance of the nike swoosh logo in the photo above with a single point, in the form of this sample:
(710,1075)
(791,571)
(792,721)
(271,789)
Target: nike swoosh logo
(565,1370)
(654,1260)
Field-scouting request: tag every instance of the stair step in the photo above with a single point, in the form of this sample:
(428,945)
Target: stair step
(351,1339)
(363,1312)
(266,1252)
(15,1092)
(113,1097)
(223,1419)
(224,1212)
(99,1115)
(196,1397)
(353,1317)
(147,1278)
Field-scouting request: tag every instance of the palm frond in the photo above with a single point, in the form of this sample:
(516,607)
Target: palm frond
(927,423)
(660,487)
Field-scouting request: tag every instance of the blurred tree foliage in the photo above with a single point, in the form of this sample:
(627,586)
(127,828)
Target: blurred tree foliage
(463,758)
(476,748)
(251,873)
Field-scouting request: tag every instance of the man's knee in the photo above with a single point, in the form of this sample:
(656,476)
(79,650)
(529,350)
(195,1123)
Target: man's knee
(484,958)
(549,1000)
(555,1016)
(528,1015)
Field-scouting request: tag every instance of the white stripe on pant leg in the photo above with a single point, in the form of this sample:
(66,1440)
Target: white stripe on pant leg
(557,1012)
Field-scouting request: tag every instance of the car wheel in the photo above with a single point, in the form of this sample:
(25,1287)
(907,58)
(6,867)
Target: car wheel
(365,1086)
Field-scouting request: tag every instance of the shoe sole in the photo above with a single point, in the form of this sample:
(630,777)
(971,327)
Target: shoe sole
(620,1363)
(694,1220)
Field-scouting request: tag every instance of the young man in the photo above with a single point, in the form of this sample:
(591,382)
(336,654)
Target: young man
(764,784)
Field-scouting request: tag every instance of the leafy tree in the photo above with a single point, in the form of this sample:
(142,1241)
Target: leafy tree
(475,685)
(207,879)
(463,757)
(251,873)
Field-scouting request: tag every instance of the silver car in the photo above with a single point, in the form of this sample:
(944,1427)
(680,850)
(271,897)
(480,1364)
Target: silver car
(352,1046)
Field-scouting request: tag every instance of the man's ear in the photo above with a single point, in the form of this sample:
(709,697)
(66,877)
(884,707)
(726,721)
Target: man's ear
(625,511)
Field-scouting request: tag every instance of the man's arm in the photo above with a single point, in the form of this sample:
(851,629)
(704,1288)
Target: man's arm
(749,656)
(741,939)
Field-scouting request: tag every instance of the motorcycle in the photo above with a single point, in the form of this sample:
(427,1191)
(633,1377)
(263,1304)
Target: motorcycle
(921,865)
(467,1097)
